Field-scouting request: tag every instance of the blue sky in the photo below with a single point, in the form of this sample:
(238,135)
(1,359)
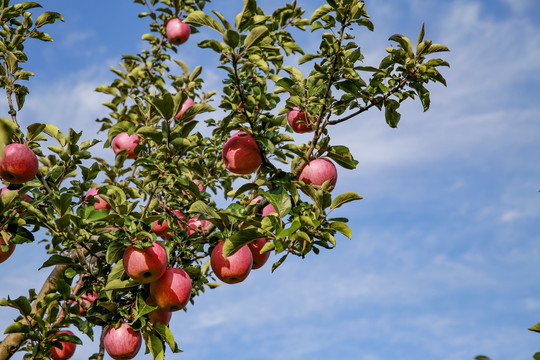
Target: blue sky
(444,257)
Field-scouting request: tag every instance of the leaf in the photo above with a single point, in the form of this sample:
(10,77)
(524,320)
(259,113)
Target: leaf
(344,198)
(279,262)
(307,57)
(248,11)
(433,48)
(421,35)
(17,328)
(342,228)
(200,207)
(231,38)
(255,36)
(405,44)
(320,12)
(114,252)
(155,346)
(48,17)
(391,115)
(166,334)
(280,199)
(57,260)
(199,18)
(121,284)
(535,328)
(239,239)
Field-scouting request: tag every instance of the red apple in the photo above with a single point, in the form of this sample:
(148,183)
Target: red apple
(158,315)
(269,209)
(68,348)
(241,154)
(122,342)
(172,290)
(18,164)
(318,171)
(196,225)
(145,265)
(160,227)
(87,299)
(299,122)
(233,269)
(186,105)
(177,31)
(124,141)
(258,259)
(101,204)
(4,255)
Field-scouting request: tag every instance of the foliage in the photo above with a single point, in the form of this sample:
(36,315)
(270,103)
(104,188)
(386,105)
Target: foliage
(260,85)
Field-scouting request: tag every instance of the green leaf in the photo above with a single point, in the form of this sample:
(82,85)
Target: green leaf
(248,11)
(342,228)
(280,199)
(231,38)
(114,252)
(344,198)
(421,35)
(166,334)
(239,239)
(17,328)
(307,57)
(255,36)
(200,207)
(155,346)
(433,48)
(320,12)
(121,284)
(535,328)
(405,44)
(48,17)
(391,114)
(199,18)
(279,262)
(57,260)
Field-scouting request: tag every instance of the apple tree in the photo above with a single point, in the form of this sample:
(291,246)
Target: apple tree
(131,242)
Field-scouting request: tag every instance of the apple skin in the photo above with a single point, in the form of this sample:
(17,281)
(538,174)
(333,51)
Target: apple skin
(186,105)
(18,164)
(124,141)
(177,31)
(241,154)
(258,259)
(318,171)
(161,228)
(87,298)
(101,204)
(145,265)
(67,351)
(158,315)
(299,122)
(122,342)
(196,225)
(172,290)
(233,269)
(4,255)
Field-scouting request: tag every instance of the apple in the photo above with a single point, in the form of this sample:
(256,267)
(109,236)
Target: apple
(186,105)
(145,265)
(18,164)
(233,269)
(318,171)
(172,290)
(158,315)
(101,204)
(258,259)
(241,154)
(269,209)
(122,342)
(4,255)
(67,350)
(124,141)
(160,227)
(87,299)
(196,225)
(177,31)
(299,122)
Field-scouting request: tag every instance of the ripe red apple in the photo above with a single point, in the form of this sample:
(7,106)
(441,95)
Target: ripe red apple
(68,348)
(186,105)
(177,31)
(241,154)
(4,255)
(124,141)
(318,171)
(269,209)
(18,164)
(161,228)
(87,299)
(233,269)
(158,315)
(122,342)
(172,290)
(258,259)
(196,225)
(101,204)
(145,265)
(299,121)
